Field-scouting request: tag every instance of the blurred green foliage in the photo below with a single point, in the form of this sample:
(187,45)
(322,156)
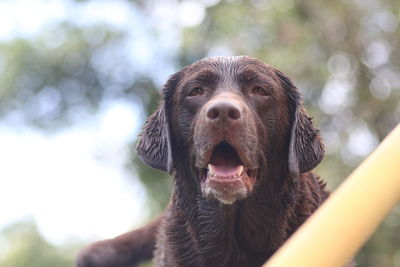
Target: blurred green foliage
(343,55)
(28,248)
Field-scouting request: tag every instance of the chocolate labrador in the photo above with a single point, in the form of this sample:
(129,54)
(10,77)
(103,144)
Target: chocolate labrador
(239,145)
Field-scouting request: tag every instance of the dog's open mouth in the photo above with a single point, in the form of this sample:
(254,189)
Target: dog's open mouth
(226,178)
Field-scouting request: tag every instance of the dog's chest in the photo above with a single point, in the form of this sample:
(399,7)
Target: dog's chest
(213,242)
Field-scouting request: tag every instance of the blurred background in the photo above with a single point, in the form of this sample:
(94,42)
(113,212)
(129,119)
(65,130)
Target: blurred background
(79,78)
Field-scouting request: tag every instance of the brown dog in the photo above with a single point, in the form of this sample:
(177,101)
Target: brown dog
(234,135)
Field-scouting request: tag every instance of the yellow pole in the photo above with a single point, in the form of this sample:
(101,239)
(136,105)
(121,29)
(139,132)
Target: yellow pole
(336,231)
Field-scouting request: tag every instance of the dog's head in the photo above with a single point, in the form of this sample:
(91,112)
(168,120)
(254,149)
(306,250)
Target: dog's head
(228,120)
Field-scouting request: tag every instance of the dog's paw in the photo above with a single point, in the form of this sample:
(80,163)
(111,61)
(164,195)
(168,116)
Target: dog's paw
(96,255)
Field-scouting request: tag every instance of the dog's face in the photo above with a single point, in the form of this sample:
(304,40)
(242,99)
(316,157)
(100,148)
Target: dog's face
(228,120)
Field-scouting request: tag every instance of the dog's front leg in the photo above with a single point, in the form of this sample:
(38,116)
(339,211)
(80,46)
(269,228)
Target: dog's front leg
(125,250)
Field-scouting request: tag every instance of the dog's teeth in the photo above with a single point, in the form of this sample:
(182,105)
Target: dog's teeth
(210,169)
(240,170)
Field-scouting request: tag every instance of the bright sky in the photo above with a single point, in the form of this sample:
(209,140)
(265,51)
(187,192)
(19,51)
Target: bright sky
(72,183)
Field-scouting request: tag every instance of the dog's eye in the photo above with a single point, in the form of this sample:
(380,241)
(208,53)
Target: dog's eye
(196,92)
(258,90)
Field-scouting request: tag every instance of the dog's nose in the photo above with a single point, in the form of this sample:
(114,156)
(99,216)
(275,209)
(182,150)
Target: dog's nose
(223,111)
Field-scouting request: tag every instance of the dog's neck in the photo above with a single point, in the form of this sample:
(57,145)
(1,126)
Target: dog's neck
(252,223)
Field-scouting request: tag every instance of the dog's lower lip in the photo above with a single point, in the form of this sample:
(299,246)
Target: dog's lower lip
(226,180)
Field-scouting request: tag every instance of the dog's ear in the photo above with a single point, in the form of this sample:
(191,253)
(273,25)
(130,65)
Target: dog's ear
(306,148)
(154,147)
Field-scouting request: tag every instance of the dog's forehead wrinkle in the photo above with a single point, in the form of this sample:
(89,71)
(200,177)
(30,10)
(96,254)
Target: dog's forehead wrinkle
(224,59)
(228,66)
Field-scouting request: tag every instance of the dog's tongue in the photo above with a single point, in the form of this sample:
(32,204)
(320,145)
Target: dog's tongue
(225,170)
(225,162)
